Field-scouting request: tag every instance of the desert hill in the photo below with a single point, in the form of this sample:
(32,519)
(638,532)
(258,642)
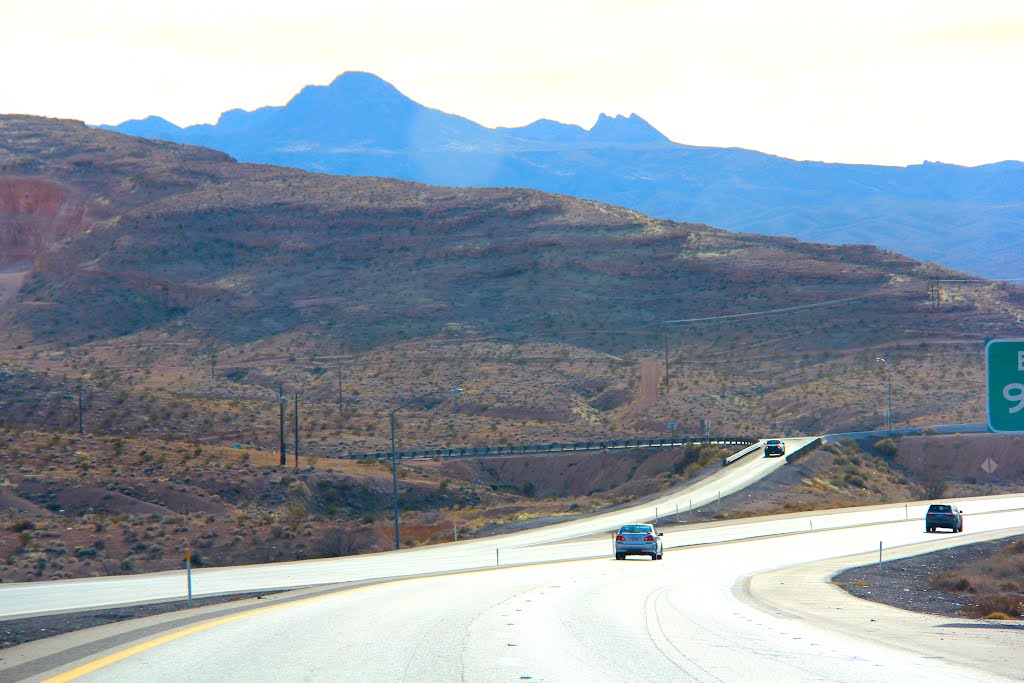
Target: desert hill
(966,218)
(185,288)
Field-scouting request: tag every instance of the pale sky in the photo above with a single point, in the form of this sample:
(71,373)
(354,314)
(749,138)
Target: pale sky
(865,81)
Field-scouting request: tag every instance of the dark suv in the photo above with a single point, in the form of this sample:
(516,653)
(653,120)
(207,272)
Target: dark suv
(945,516)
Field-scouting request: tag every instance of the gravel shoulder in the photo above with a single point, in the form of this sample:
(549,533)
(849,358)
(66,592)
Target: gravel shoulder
(904,583)
(18,631)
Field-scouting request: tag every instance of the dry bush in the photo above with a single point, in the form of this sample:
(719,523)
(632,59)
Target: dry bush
(887,447)
(996,606)
(994,583)
(951,582)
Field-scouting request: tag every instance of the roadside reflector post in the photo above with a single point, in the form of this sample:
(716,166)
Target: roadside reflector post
(812,524)
(188,574)
(906,511)
(497,558)
(879,554)
(655,515)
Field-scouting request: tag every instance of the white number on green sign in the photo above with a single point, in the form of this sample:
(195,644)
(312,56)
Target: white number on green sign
(1014,392)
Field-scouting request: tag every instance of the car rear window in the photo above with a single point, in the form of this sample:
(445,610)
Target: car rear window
(635,529)
(939,508)
(773,442)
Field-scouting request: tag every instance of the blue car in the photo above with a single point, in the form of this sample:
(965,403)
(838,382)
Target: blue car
(944,516)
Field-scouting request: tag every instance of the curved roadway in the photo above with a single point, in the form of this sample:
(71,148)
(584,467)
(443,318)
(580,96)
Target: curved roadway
(27,599)
(730,601)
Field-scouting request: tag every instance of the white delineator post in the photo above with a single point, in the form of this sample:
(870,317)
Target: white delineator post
(188,574)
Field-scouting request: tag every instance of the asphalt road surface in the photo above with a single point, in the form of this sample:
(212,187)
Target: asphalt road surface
(731,601)
(27,599)
(695,616)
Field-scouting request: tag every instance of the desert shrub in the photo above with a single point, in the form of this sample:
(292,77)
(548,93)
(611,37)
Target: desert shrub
(855,480)
(951,582)
(21,525)
(935,488)
(887,447)
(996,607)
(296,514)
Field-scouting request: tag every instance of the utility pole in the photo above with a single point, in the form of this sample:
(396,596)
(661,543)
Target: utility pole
(296,429)
(888,410)
(394,466)
(280,403)
(664,335)
(81,428)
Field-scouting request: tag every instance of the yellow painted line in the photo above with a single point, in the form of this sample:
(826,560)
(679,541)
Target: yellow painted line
(170,637)
(98,664)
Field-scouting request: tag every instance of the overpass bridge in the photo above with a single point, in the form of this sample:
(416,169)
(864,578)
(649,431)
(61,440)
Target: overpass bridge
(525,449)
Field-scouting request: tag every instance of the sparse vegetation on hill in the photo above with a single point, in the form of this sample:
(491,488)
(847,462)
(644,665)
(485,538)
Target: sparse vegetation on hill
(181,295)
(188,288)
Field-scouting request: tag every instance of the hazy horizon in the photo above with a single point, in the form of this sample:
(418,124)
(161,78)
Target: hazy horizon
(853,82)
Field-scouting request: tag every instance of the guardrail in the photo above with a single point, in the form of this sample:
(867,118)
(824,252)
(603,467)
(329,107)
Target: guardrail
(736,456)
(747,451)
(488,451)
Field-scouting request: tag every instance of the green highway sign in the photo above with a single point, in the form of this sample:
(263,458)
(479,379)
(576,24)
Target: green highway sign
(1004,364)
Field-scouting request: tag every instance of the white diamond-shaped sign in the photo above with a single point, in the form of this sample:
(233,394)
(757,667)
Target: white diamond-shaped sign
(989,465)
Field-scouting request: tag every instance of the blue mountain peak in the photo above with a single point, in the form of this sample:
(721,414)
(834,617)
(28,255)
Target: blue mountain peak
(149,127)
(627,129)
(350,87)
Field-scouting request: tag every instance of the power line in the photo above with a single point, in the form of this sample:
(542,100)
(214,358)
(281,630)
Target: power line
(772,311)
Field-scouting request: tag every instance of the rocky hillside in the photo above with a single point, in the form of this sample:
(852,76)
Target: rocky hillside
(184,288)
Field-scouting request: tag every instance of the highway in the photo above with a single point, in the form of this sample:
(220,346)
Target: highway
(731,601)
(26,599)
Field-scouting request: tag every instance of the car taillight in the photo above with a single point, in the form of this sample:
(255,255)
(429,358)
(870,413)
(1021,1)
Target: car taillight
(648,538)
(620,538)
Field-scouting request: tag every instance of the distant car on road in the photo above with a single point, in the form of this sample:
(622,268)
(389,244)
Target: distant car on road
(638,539)
(774,447)
(944,516)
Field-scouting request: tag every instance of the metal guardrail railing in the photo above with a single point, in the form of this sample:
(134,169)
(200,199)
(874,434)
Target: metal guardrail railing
(487,451)
(736,456)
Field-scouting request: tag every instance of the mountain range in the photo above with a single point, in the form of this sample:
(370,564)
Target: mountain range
(963,217)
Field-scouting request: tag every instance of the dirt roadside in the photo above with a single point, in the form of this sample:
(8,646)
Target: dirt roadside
(905,583)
